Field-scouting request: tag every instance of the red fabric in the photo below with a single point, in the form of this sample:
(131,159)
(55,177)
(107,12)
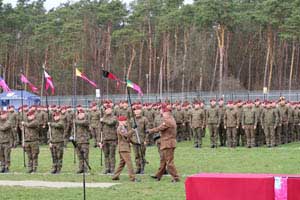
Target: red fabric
(230,187)
(294,188)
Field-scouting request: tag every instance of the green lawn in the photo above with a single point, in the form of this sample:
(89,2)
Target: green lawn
(285,159)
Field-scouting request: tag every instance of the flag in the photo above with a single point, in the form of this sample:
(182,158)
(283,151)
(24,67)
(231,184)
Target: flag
(26,81)
(81,75)
(49,83)
(4,85)
(134,86)
(111,76)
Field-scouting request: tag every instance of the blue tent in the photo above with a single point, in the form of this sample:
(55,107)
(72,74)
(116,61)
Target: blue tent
(15,98)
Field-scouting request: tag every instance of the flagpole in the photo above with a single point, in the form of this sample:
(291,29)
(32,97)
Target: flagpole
(22,114)
(74,107)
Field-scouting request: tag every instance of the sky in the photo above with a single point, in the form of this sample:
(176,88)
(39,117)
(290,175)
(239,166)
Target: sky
(54,3)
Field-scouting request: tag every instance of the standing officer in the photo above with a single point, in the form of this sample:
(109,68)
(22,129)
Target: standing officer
(221,130)
(140,149)
(94,118)
(269,119)
(231,122)
(31,141)
(249,123)
(213,122)
(107,139)
(198,124)
(5,142)
(56,142)
(82,139)
(124,139)
(168,144)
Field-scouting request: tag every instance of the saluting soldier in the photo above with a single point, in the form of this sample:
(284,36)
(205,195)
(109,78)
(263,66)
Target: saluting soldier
(107,139)
(82,139)
(94,118)
(283,120)
(56,142)
(5,142)
(31,141)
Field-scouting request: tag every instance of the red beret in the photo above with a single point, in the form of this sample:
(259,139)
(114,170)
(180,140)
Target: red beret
(31,113)
(165,108)
(138,107)
(212,100)
(122,118)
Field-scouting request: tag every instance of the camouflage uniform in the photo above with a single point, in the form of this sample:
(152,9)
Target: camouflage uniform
(249,122)
(283,123)
(259,134)
(291,133)
(108,138)
(231,122)
(32,143)
(179,118)
(269,119)
(198,124)
(187,123)
(57,141)
(82,139)
(5,144)
(13,118)
(150,115)
(221,130)
(95,124)
(140,150)
(240,131)
(69,126)
(213,123)
(296,123)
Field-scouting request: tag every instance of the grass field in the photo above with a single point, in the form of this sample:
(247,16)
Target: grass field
(188,160)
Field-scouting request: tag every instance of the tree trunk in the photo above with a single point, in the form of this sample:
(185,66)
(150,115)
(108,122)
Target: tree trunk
(292,66)
(220,37)
(150,52)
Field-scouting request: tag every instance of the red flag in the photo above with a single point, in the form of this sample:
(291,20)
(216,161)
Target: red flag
(111,76)
(26,81)
(49,82)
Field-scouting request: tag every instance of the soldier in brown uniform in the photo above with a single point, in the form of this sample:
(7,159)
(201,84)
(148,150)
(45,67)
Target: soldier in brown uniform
(82,139)
(107,139)
(231,122)
(213,122)
(124,134)
(31,141)
(249,123)
(56,142)
(168,144)
(5,142)
(198,124)
(94,119)
(291,113)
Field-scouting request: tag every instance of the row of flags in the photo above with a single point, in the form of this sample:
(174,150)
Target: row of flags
(49,82)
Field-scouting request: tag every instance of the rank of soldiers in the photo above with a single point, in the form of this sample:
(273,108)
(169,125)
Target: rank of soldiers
(111,126)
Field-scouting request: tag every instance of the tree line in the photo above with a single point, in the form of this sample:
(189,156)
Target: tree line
(162,45)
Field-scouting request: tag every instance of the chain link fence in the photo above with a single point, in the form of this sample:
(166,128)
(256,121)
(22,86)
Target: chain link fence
(173,97)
